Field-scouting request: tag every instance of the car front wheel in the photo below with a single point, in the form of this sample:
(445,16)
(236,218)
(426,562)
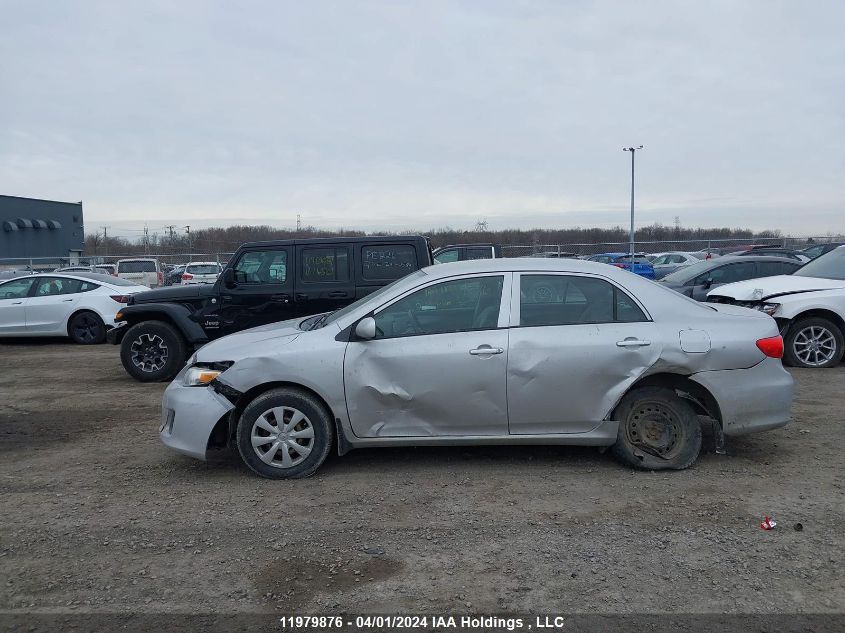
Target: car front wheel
(153,351)
(813,342)
(658,430)
(284,434)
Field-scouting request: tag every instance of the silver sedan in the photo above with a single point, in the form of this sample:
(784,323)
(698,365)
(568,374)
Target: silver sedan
(504,351)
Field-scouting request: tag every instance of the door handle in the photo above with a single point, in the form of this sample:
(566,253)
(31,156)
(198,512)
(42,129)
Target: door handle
(337,294)
(16,303)
(486,349)
(67,299)
(301,296)
(632,342)
(282,298)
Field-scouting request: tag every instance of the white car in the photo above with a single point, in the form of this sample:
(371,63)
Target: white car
(665,263)
(141,270)
(809,306)
(200,273)
(79,305)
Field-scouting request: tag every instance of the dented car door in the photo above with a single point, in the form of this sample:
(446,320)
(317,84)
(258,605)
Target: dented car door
(577,342)
(437,365)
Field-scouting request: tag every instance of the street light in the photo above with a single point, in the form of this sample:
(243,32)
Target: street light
(633,151)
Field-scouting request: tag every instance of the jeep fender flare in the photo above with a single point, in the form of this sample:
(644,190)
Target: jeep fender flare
(176,314)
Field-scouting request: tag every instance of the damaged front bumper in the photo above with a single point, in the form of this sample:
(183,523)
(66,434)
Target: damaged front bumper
(751,400)
(189,415)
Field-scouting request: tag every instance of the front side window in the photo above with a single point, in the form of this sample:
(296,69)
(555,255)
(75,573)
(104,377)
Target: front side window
(16,289)
(444,257)
(569,300)
(325,264)
(262,267)
(769,269)
(52,286)
(451,306)
(389,261)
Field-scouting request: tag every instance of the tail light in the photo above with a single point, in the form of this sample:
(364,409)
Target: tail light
(187,276)
(619,265)
(772,346)
(160,277)
(120,298)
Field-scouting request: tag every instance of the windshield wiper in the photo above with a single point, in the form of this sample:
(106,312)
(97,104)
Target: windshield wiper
(321,321)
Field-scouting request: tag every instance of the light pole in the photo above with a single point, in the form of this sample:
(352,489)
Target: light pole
(633,151)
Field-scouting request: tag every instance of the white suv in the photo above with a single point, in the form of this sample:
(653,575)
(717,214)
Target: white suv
(809,306)
(142,270)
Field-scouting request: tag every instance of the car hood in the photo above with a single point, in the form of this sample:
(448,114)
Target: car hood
(768,287)
(251,342)
(175,293)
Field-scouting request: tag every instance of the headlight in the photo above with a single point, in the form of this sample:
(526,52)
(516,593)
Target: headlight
(768,308)
(199,376)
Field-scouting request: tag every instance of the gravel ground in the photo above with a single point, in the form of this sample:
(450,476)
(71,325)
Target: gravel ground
(97,516)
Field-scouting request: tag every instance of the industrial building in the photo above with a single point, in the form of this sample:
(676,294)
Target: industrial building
(32,228)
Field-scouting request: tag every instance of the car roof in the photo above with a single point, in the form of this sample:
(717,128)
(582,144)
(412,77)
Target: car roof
(522,264)
(338,240)
(200,264)
(85,276)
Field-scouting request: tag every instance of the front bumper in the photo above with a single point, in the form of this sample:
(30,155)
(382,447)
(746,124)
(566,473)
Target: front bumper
(189,415)
(115,335)
(751,400)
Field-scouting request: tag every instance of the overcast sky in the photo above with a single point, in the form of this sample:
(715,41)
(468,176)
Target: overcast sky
(415,115)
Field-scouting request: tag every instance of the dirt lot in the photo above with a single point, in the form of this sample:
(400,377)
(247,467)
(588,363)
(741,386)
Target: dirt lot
(98,516)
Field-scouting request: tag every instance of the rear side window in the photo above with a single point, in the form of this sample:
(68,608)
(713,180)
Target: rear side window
(568,300)
(388,261)
(136,267)
(727,274)
(325,264)
(262,267)
(88,286)
(52,286)
(769,269)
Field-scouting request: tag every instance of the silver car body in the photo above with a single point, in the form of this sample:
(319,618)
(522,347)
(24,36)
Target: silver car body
(506,383)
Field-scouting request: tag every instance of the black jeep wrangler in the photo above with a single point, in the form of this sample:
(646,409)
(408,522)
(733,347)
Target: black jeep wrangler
(264,282)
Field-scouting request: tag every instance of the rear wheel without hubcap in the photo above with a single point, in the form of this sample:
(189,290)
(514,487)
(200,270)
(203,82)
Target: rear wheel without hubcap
(657,430)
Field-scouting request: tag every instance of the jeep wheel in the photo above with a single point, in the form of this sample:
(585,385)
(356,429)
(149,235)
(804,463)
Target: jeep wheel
(153,351)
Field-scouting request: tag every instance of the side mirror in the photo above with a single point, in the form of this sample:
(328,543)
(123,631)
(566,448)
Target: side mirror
(707,283)
(366,329)
(229,278)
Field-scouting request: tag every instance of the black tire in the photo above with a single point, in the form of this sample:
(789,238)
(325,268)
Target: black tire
(86,328)
(286,400)
(153,351)
(798,343)
(674,432)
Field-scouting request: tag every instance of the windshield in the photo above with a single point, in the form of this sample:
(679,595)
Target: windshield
(334,316)
(688,272)
(829,266)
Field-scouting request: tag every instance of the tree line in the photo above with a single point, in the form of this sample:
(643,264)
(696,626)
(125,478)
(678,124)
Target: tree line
(228,239)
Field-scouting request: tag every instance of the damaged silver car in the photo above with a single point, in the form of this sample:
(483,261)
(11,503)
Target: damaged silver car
(504,351)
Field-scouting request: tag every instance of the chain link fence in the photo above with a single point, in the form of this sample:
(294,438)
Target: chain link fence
(716,246)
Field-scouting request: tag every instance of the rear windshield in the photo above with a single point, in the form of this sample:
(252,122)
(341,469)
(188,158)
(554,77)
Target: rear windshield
(831,265)
(204,269)
(140,266)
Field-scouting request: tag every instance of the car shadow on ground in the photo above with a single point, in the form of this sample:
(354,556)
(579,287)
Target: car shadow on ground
(750,449)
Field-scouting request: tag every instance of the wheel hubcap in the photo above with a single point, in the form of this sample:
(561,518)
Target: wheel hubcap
(282,437)
(654,428)
(814,345)
(149,353)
